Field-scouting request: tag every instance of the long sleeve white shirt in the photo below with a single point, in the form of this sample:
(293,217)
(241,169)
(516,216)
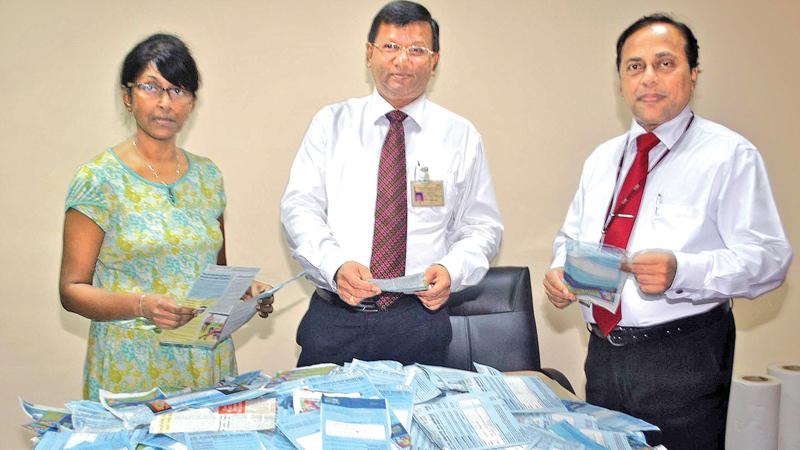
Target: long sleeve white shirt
(708,201)
(328,208)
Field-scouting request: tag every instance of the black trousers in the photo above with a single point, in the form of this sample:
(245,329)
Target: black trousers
(407,332)
(681,384)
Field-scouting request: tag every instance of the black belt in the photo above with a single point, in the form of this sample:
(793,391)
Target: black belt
(366,305)
(620,336)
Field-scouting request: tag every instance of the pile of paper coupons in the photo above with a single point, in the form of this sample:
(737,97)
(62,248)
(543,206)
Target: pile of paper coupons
(367,405)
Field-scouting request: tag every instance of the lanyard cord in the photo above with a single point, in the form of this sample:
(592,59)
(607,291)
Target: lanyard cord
(610,216)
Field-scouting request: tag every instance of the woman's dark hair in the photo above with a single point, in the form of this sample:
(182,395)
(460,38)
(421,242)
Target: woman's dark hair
(402,13)
(692,49)
(170,56)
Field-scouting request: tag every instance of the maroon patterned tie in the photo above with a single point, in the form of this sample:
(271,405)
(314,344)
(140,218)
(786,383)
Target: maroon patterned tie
(619,230)
(391,210)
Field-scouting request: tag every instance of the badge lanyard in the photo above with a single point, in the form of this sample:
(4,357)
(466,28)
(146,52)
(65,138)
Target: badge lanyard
(611,215)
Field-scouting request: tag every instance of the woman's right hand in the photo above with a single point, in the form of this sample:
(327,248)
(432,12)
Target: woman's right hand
(165,312)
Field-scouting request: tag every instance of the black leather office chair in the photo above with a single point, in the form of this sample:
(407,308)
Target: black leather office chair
(493,324)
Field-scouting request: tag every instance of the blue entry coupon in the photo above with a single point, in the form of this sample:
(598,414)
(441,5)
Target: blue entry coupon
(355,423)
(593,272)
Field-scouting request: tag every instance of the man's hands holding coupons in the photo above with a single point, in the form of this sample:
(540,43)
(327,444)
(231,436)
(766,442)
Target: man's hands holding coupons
(355,283)
(654,271)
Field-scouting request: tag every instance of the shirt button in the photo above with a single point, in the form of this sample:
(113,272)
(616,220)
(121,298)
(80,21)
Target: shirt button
(679,291)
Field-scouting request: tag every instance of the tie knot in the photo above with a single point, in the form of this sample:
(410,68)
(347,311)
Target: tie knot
(396,116)
(646,142)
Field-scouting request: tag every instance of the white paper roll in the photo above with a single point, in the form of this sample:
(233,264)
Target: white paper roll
(753,413)
(789,413)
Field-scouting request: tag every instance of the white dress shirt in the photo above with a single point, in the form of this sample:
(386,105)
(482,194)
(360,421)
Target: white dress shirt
(708,201)
(328,208)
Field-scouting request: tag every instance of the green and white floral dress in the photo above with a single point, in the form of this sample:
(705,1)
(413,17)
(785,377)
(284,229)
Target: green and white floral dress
(158,238)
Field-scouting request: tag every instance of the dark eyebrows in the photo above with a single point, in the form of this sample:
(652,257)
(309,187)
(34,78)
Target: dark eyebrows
(659,55)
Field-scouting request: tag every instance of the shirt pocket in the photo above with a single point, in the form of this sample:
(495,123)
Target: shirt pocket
(674,223)
(435,216)
(678,211)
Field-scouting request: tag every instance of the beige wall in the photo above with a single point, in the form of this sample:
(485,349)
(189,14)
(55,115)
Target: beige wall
(536,77)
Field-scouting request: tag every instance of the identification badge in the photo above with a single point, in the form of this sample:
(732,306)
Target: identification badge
(427,193)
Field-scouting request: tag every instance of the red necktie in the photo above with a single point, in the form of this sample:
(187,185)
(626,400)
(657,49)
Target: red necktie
(619,230)
(391,210)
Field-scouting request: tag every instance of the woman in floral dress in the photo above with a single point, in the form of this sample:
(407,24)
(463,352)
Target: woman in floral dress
(142,220)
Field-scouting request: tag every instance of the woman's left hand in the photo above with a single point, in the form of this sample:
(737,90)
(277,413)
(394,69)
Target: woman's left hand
(264,306)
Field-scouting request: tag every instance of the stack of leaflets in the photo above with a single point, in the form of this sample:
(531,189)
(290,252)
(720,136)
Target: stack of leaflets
(363,405)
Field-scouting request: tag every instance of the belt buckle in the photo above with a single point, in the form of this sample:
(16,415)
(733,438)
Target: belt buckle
(611,341)
(363,308)
(596,331)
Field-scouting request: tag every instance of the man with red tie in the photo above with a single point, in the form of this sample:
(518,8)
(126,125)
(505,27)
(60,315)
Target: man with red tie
(690,200)
(384,186)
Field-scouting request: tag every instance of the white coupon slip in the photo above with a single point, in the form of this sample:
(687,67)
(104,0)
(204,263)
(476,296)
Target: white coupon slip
(408,284)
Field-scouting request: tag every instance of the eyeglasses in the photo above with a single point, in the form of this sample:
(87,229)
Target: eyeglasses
(154,91)
(391,50)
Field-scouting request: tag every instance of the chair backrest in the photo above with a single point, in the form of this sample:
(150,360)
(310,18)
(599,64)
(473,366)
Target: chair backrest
(493,323)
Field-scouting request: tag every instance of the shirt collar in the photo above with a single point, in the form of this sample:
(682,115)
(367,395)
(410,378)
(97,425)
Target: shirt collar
(668,132)
(379,107)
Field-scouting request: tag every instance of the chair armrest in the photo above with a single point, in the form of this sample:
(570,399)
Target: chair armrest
(559,377)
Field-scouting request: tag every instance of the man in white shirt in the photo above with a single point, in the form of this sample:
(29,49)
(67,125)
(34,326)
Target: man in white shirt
(435,209)
(706,230)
